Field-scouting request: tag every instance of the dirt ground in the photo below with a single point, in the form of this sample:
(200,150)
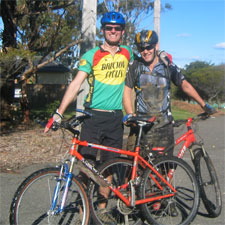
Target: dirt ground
(27,144)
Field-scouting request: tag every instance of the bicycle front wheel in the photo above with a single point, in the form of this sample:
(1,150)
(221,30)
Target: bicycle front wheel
(32,201)
(178,209)
(115,210)
(208,183)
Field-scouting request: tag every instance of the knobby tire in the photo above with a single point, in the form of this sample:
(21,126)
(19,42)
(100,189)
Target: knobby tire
(32,200)
(179,209)
(208,183)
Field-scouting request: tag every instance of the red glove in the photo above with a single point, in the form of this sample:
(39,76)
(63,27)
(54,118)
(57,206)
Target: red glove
(57,118)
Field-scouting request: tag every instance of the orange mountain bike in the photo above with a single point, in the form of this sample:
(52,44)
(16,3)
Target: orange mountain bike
(204,169)
(134,189)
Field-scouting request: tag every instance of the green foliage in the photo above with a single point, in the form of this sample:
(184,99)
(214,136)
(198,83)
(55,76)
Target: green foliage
(13,61)
(35,32)
(43,28)
(51,108)
(12,53)
(194,66)
(207,79)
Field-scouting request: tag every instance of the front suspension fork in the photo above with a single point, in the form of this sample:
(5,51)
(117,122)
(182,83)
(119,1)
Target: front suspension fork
(67,175)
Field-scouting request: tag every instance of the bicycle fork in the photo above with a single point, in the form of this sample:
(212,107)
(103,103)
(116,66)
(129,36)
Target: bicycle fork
(67,173)
(56,191)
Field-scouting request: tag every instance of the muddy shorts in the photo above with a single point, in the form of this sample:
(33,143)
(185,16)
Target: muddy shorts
(151,138)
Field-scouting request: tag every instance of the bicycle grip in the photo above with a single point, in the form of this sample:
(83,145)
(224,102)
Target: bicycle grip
(49,125)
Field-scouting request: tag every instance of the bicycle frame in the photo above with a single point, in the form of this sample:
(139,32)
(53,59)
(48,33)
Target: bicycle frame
(137,159)
(188,138)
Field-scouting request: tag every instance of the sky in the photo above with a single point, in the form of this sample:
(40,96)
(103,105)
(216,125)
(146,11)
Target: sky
(192,30)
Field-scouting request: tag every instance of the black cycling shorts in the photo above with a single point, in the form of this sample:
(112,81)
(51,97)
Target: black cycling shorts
(104,128)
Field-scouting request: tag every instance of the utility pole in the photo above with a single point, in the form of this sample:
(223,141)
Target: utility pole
(88,31)
(157,9)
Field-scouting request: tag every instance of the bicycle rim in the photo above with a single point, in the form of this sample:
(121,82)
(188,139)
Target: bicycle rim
(120,170)
(32,201)
(208,183)
(178,209)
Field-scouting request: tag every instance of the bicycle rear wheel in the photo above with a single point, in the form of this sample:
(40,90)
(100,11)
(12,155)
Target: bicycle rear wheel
(119,170)
(183,206)
(208,183)
(32,200)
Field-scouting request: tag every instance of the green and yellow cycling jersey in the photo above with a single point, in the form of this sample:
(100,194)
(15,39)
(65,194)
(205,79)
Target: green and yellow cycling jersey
(106,77)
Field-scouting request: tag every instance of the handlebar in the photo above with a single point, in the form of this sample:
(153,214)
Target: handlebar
(201,116)
(73,122)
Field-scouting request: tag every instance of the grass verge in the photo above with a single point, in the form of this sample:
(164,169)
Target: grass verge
(180,114)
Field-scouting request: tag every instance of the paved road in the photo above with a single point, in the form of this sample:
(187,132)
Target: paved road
(212,130)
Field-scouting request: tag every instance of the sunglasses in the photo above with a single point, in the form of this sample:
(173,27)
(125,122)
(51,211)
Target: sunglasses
(109,28)
(149,47)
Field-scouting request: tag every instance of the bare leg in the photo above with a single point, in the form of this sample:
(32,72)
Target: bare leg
(104,191)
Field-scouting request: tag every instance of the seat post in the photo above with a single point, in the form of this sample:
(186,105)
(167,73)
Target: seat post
(141,125)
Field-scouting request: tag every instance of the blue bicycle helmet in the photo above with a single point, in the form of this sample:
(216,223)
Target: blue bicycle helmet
(113,18)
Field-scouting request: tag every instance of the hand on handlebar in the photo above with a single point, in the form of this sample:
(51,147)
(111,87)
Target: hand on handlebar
(209,109)
(54,122)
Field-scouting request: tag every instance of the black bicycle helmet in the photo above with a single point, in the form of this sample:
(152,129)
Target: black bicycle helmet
(146,38)
(113,18)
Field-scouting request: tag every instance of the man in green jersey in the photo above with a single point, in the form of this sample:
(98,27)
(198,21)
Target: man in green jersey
(105,68)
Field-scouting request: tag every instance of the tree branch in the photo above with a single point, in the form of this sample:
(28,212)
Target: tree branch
(33,69)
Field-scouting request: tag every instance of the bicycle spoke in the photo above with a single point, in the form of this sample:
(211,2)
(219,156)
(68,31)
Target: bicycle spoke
(178,209)
(120,171)
(32,201)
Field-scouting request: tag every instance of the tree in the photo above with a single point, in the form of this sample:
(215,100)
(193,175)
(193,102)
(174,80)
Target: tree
(48,29)
(190,68)
(210,81)
(8,10)
(188,71)
(207,79)
(134,13)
